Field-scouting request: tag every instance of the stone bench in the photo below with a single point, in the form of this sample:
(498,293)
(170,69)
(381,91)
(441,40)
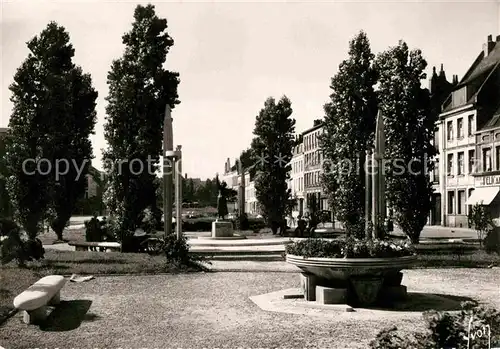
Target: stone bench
(100,246)
(34,300)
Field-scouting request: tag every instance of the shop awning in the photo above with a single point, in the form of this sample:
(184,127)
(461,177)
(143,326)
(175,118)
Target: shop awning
(483,196)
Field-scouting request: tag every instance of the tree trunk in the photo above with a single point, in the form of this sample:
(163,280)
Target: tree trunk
(274,227)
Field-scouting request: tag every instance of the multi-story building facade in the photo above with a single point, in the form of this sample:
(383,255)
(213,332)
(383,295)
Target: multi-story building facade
(313,157)
(296,181)
(440,89)
(487,174)
(469,107)
(251,203)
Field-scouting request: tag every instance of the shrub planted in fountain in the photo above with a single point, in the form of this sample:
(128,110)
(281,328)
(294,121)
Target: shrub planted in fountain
(351,248)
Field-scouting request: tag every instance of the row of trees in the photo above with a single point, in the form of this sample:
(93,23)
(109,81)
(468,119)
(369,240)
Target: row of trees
(54,116)
(409,128)
(204,193)
(349,128)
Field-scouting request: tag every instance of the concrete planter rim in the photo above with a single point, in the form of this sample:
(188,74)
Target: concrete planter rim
(386,262)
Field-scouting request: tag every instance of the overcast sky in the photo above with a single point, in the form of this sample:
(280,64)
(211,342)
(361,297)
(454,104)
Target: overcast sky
(231,56)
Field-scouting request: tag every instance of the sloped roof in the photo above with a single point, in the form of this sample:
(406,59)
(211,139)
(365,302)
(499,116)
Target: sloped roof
(482,65)
(494,122)
(478,73)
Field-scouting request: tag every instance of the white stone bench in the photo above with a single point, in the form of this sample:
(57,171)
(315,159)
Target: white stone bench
(34,300)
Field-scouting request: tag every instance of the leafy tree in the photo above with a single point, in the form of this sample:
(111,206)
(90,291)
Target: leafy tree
(409,127)
(139,90)
(52,118)
(75,147)
(5,206)
(273,143)
(348,132)
(480,219)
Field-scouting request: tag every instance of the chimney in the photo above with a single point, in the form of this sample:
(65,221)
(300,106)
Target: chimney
(441,72)
(498,38)
(488,46)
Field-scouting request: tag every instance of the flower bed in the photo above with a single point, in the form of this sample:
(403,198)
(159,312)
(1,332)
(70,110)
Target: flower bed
(351,248)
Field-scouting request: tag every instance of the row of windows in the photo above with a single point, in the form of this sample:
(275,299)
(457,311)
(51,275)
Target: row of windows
(311,140)
(312,179)
(298,184)
(458,207)
(298,166)
(485,164)
(250,193)
(313,159)
(450,134)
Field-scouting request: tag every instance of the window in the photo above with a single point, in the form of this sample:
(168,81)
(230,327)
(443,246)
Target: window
(435,172)
(461,202)
(470,124)
(497,158)
(451,202)
(460,163)
(471,190)
(472,161)
(486,159)
(436,140)
(450,130)
(450,165)
(460,128)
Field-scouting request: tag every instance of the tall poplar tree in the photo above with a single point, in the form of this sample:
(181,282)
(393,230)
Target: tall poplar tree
(409,127)
(272,146)
(139,89)
(53,116)
(348,132)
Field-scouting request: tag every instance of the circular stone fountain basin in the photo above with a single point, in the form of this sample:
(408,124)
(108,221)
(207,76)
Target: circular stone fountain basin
(363,278)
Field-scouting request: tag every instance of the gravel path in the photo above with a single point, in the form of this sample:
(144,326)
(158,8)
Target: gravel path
(213,310)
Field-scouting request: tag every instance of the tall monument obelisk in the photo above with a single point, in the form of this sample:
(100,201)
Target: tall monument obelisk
(378,177)
(168,146)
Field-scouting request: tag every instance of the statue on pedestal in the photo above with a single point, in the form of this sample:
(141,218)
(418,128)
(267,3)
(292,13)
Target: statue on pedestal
(221,199)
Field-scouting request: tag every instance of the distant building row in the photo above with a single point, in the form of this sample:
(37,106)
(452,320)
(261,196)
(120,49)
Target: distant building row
(467,168)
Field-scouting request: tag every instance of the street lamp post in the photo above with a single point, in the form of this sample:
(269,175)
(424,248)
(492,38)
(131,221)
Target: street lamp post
(171,164)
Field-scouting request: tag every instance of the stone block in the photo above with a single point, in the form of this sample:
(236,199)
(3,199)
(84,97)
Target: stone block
(222,229)
(308,283)
(36,316)
(394,293)
(367,289)
(328,295)
(393,279)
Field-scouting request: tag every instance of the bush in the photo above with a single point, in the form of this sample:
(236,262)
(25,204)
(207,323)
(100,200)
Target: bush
(492,241)
(350,248)
(256,224)
(15,245)
(197,224)
(241,222)
(149,221)
(447,330)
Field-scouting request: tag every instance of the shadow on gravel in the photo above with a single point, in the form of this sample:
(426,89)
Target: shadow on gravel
(69,315)
(420,302)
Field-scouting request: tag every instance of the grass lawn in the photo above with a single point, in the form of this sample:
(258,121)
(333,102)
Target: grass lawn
(478,259)
(13,280)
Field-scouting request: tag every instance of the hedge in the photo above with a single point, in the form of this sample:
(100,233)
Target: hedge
(205,224)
